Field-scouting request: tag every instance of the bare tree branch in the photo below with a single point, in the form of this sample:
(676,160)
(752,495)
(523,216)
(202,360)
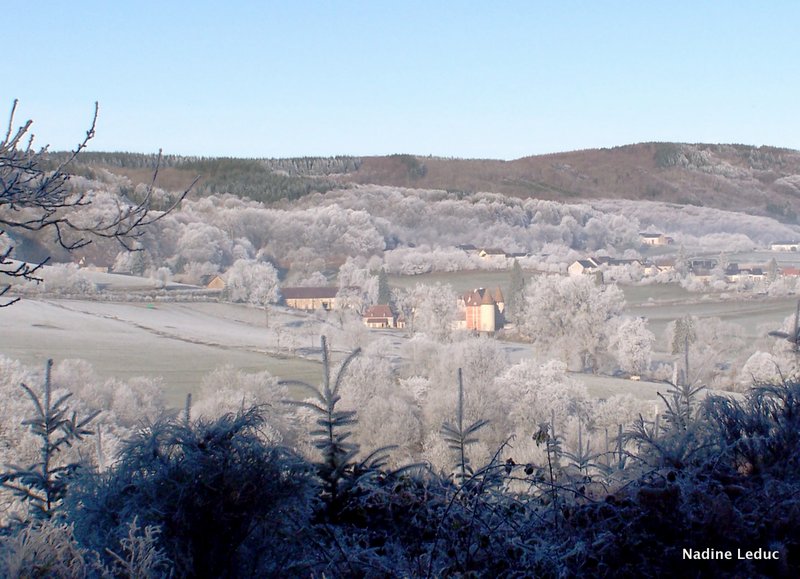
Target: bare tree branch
(34,198)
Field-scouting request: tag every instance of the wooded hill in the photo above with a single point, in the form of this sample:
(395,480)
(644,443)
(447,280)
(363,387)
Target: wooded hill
(756,180)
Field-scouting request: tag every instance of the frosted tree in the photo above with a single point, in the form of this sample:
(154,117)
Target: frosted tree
(760,368)
(716,350)
(314,279)
(133,262)
(533,394)
(161,277)
(571,318)
(65,278)
(356,278)
(479,361)
(387,413)
(252,282)
(434,310)
(202,243)
(227,390)
(632,345)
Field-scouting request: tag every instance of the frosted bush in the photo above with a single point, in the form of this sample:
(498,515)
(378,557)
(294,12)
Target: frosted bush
(44,549)
(65,278)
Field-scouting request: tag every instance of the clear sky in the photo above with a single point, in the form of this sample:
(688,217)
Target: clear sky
(458,79)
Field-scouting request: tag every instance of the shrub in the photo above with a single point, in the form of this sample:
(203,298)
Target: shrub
(227,504)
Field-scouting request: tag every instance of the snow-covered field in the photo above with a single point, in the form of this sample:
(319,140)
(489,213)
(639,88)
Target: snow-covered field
(180,342)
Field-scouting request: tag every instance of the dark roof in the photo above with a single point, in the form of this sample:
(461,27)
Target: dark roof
(703,264)
(307,293)
(493,251)
(650,235)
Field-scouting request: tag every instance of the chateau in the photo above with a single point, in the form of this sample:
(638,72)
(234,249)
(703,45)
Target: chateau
(482,310)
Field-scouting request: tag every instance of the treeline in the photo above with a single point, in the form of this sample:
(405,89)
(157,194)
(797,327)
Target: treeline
(264,180)
(294,165)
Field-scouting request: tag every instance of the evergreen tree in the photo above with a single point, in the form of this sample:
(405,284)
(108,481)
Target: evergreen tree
(772,270)
(683,334)
(384,293)
(44,483)
(682,261)
(516,290)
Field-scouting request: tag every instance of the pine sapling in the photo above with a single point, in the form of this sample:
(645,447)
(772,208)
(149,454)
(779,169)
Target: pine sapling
(331,437)
(458,437)
(43,484)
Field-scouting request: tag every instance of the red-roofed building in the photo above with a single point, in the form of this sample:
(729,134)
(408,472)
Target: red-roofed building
(379,317)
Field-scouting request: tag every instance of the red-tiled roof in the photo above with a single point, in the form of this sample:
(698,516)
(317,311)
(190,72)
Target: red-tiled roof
(380,311)
(480,296)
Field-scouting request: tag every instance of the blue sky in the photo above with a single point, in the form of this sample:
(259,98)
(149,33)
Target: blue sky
(461,79)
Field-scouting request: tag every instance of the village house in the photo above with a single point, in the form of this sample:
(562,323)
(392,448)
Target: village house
(482,310)
(654,239)
(785,246)
(702,265)
(650,269)
(611,261)
(665,265)
(734,273)
(213,282)
(310,298)
(583,267)
(380,316)
(493,254)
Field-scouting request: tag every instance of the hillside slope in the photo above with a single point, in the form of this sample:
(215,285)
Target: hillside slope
(755,180)
(762,181)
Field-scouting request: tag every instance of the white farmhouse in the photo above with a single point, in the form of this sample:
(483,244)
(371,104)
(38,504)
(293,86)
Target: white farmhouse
(785,246)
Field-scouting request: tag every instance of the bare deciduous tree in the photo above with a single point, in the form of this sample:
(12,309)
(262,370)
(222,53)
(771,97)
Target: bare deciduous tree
(37,198)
